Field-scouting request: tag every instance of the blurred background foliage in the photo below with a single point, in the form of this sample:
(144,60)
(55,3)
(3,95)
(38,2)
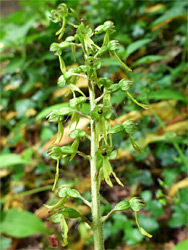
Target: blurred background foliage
(154,44)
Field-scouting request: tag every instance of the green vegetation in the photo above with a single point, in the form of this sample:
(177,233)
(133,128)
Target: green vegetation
(153,42)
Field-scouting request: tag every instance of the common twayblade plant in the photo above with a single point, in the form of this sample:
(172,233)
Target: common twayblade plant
(100,137)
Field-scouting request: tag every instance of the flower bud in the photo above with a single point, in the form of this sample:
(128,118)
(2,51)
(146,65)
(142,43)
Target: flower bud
(77,133)
(116,129)
(124,84)
(122,206)
(129,126)
(136,204)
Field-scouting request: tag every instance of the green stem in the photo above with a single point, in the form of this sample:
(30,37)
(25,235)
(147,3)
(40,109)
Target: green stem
(96,213)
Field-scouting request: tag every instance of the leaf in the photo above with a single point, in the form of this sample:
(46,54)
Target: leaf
(69,212)
(148,59)
(20,224)
(8,160)
(136,45)
(5,242)
(175,12)
(49,109)
(181,245)
(162,94)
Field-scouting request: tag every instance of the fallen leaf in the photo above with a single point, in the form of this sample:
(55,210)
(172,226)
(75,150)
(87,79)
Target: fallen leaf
(179,185)
(154,8)
(30,112)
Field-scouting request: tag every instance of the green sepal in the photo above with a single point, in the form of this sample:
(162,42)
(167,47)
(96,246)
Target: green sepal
(142,230)
(55,218)
(77,101)
(116,129)
(122,63)
(129,126)
(136,204)
(122,206)
(56,175)
(57,47)
(125,84)
(135,146)
(77,133)
(113,88)
(62,64)
(107,170)
(102,28)
(102,51)
(144,106)
(56,115)
(113,45)
(106,82)
(65,229)
(67,150)
(60,131)
(54,152)
(67,192)
(75,88)
(75,146)
(75,118)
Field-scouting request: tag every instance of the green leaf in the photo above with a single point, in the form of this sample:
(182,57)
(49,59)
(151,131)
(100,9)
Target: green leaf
(175,12)
(162,94)
(49,109)
(69,212)
(148,59)
(20,224)
(136,45)
(8,160)
(5,242)
(179,217)
(181,245)
(122,206)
